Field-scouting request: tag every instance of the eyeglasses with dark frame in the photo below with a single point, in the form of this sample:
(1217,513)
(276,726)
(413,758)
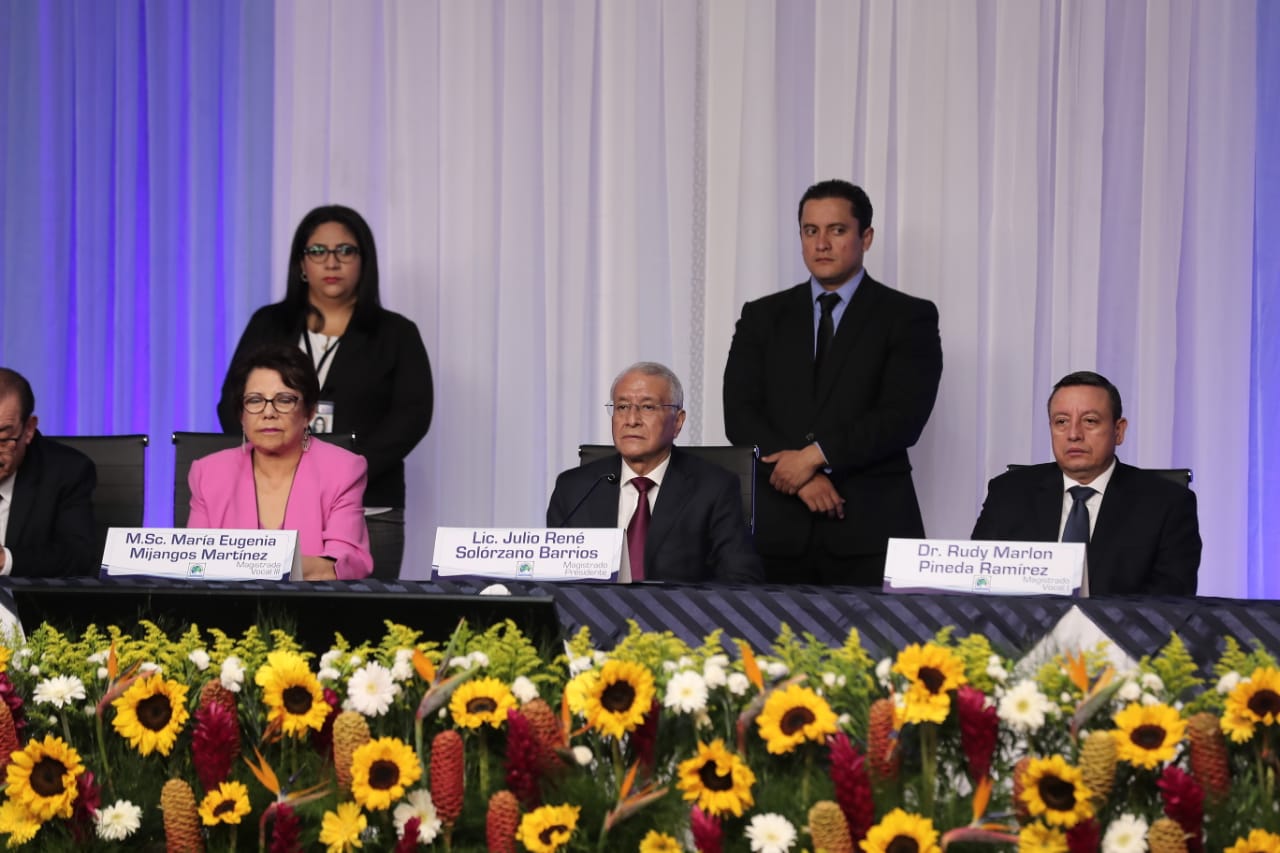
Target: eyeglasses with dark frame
(256,404)
(344,252)
(647,410)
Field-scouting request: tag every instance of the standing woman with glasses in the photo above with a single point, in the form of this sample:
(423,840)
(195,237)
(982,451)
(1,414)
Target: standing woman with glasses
(282,479)
(371,364)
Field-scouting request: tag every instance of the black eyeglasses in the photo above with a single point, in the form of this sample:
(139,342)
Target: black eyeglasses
(256,404)
(647,410)
(344,252)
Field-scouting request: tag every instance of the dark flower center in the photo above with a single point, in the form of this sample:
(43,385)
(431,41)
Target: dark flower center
(1057,794)
(548,835)
(902,844)
(296,699)
(481,705)
(154,712)
(932,679)
(383,774)
(795,719)
(224,807)
(46,777)
(713,781)
(619,696)
(1265,702)
(1148,736)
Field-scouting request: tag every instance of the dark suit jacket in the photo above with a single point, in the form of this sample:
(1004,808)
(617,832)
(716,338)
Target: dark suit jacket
(51,530)
(1146,539)
(877,388)
(379,381)
(697,532)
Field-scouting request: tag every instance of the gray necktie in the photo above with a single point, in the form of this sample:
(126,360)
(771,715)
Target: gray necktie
(1077,528)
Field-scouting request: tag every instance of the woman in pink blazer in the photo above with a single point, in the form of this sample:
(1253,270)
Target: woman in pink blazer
(282,479)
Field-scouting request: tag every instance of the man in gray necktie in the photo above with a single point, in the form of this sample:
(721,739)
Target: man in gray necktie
(1141,527)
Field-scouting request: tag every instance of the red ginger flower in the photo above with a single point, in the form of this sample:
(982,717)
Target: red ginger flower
(501,822)
(979,725)
(88,799)
(13,700)
(322,739)
(287,831)
(644,739)
(447,781)
(550,736)
(9,743)
(1085,837)
(708,836)
(1209,761)
(522,761)
(882,741)
(853,786)
(1184,802)
(408,842)
(215,743)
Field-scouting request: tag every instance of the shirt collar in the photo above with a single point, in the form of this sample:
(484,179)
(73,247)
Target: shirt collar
(655,475)
(1099,483)
(845,290)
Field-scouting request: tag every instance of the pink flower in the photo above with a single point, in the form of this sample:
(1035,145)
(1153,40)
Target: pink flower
(979,725)
(1184,803)
(707,833)
(853,786)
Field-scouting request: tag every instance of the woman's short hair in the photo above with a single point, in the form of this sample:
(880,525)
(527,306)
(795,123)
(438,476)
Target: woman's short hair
(295,369)
(368,300)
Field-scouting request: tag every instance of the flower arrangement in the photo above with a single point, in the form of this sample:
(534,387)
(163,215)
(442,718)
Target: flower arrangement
(119,739)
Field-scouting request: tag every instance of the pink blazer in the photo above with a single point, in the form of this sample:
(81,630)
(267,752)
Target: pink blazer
(326,502)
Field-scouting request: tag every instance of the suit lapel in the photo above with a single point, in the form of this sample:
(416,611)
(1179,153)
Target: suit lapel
(1117,504)
(1049,505)
(25,485)
(676,489)
(601,509)
(344,359)
(798,340)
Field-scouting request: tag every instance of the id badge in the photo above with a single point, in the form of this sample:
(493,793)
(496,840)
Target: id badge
(322,423)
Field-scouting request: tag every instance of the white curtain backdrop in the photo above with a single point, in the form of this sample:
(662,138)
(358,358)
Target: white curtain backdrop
(561,188)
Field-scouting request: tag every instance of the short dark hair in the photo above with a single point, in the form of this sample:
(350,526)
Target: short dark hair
(859,202)
(13,382)
(1095,380)
(295,369)
(368,300)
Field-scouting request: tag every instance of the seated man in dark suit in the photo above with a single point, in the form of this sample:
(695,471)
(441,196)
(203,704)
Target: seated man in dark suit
(1141,528)
(46,514)
(690,526)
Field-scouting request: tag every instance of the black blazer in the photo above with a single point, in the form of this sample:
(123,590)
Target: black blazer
(379,381)
(697,532)
(1146,540)
(51,529)
(877,389)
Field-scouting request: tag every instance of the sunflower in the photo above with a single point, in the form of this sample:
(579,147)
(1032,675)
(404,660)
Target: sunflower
(934,671)
(1038,838)
(1148,734)
(17,823)
(619,699)
(484,700)
(226,805)
(151,713)
(293,694)
(547,829)
(659,842)
(41,778)
(1252,702)
(717,779)
(1056,790)
(1259,841)
(340,830)
(902,831)
(792,716)
(381,770)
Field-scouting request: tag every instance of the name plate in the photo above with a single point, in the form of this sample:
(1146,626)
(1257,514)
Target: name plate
(991,568)
(528,554)
(207,555)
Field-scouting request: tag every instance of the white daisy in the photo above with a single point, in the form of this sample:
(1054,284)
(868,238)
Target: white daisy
(1024,707)
(232,674)
(60,691)
(738,683)
(524,689)
(714,674)
(371,690)
(770,833)
(686,692)
(402,669)
(200,658)
(1125,834)
(1129,692)
(582,755)
(418,804)
(117,821)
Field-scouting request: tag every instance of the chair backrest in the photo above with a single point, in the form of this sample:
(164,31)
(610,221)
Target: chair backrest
(736,460)
(120,497)
(1181,476)
(190,446)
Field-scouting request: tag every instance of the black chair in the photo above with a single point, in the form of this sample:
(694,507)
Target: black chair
(736,460)
(120,497)
(190,446)
(1181,476)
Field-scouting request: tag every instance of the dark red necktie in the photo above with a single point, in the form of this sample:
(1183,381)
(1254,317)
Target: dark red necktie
(638,528)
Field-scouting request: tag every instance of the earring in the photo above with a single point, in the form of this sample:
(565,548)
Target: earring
(244,442)
(306,438)
(304,275)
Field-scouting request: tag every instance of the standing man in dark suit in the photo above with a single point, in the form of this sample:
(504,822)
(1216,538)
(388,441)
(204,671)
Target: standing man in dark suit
(833,379)
(1142,531)
(46,489)
(693,529)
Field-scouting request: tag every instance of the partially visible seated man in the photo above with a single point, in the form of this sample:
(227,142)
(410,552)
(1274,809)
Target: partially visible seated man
(1142,531)
(691,526)
(46,493)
